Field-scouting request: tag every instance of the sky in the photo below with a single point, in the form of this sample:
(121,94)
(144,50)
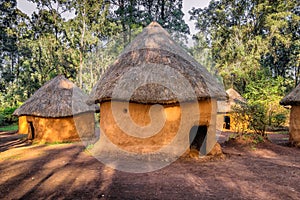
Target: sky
(28,8)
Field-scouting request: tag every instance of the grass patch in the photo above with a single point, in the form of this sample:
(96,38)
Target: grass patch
(56,143)
(12,127)
(88,148)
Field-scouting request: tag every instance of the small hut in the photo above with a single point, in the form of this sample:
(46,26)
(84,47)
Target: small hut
(57,112)
(156,95)
(293,99)
(225,109)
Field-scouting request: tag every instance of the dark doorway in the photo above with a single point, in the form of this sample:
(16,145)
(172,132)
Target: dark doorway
(198,138)
(31,132)
(227,122)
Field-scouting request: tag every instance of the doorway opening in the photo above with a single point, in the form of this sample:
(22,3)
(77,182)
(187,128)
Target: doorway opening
(198,139)
(31,132)
(227,122)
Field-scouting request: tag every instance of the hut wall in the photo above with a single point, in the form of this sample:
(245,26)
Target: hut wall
(162,133)
(295,125)
(63,129)
(23,125)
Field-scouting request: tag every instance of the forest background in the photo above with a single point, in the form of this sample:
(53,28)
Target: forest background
(252,46)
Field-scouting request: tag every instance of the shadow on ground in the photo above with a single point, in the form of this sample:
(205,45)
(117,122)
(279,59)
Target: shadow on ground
(68,171)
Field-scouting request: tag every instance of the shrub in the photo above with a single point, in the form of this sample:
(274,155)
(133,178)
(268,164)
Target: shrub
(255,114)
(6,117)
(278,120)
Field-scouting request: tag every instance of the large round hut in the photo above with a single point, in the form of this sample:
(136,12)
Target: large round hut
(155,95)
(57,112)
(293,99)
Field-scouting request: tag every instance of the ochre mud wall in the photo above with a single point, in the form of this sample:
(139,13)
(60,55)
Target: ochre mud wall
(236,126)
(295,125)
(153,127)
(62,129)
(23,125)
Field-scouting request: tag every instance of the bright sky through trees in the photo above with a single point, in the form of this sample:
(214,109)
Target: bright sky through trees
(28,8)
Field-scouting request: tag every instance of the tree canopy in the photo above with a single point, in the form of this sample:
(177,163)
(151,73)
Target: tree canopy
(247,44)
(36,48)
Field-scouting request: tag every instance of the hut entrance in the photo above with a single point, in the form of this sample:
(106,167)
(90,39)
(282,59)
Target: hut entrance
(227,122)
(198,138)
(31,132)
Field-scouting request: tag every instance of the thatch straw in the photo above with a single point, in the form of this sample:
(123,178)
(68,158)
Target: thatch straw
(58,97)
(293,98)
(234,96)
(234,99)
(155,48)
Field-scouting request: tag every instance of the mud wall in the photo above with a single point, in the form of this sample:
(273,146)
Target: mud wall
(62,129)
(147,128)
(23,125)
(295,125)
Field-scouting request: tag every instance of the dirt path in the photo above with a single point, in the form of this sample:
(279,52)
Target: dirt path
(264,171)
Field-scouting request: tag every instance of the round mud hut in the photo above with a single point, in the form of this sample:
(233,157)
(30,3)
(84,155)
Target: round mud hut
(57,112)
(156,97)
(293,99)
(225,111)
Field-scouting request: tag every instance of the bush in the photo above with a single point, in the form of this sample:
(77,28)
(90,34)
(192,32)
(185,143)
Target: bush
(278,120)
(240,118)
(258,118)
(2,119)
(255,114)
(6,117)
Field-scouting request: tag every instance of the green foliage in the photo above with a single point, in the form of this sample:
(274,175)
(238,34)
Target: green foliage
(6,117)
(246,37)
(279,120)
(36,48)
(257,118)
(56,143)
(250,116)
(253,138)
(9,128)
(240,118)
(265,93)
(255,47)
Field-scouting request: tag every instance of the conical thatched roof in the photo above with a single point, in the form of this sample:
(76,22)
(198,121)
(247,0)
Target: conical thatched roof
(293,98)
(157,70)
(234,98)
(58,97)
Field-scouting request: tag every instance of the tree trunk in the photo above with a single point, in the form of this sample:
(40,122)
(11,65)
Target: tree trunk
(81,51)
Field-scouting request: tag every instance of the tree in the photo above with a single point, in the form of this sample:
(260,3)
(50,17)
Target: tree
(132,14)
(247,36)
(8,42)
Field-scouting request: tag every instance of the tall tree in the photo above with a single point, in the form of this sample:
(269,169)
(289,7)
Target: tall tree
(86,29)
(246,36)
(8,42)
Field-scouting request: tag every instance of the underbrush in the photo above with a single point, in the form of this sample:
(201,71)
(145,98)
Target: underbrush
(12,127)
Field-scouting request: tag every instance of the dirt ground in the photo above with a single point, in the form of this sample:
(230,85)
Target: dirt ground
(68,171)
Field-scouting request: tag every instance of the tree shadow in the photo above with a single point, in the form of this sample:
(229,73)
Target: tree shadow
(68,171)
(12,139)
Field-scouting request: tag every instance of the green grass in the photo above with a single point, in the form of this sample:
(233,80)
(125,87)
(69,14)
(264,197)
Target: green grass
(12,127)
(58,143)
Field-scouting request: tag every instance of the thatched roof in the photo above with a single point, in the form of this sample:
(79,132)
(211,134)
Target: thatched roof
(156,70)
(234,98)
(293,98)
(58,97)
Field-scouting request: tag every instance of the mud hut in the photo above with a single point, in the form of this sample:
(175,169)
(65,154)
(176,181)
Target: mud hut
(156,95)
(293,99)
(56,112)
(225,110)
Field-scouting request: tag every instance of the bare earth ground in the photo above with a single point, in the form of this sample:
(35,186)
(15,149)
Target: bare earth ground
(262,171)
